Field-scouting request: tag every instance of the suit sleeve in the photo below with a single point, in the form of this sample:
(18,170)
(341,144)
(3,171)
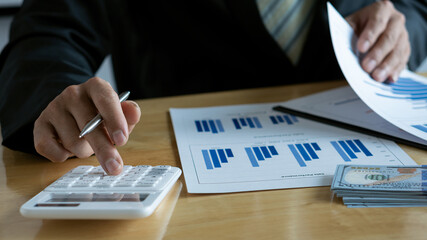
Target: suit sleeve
(415,12)
(53,44)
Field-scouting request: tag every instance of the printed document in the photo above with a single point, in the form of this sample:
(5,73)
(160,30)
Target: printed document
(403,103)
(252,147)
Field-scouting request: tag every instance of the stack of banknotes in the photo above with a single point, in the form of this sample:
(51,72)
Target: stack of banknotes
(381,186)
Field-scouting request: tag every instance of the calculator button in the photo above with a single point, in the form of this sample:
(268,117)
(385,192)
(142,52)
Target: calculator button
(156,172)
(60,185)
(143,167)
(103,184)
(130,178)
(124,183)
(98,170)
(165,167)
(66,180)
(153,177)
(148,181)
(108,178)
(71,176)
(126,169)
(90,177)
(82,183)
(145,184)
(60,195)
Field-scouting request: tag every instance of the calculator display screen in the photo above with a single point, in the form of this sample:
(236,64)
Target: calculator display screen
(96,197)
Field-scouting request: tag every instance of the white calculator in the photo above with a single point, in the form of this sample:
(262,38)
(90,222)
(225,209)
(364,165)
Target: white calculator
(87,192)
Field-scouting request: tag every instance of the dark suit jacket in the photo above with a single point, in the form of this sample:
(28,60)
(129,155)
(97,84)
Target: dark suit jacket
(159,48)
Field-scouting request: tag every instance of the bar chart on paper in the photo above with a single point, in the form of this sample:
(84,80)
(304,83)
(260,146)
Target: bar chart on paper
(407,88)
(403,103)
(251,147)
(287,119)
(240,124)
(246,162)
(210,125)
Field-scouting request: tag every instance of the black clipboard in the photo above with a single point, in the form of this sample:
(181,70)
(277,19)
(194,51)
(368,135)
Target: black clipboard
(348,126)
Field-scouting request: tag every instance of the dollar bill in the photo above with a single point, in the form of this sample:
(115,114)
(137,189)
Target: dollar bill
(380,178)
(365,186)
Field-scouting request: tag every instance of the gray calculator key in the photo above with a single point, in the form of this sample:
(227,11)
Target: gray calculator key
(60,185)
(81,169)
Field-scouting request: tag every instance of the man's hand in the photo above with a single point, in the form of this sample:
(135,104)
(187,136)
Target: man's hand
(56,131)
(383,39)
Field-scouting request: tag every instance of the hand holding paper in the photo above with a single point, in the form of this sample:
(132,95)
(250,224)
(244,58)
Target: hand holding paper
(383,40)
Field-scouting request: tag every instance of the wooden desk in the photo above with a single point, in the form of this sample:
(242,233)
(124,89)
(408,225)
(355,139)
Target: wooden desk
(307,213)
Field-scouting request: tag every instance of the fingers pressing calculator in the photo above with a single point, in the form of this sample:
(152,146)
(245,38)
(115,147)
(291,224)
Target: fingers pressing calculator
(87,192)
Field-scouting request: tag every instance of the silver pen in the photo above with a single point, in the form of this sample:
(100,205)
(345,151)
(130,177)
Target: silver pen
(98,118)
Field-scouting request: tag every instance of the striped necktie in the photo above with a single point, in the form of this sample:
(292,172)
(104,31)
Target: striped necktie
(288,22)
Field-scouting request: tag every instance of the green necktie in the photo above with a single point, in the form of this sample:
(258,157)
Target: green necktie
(288,21)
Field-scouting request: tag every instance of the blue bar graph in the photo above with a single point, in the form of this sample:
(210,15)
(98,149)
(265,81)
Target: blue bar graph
(260,153)
(340,151)
(294,118)
(212,126)
(219,125)
(273,150)
(207,159)
(352,146)
(349,152)
(315,146)
(347,149)
(215,157)
(363,148)
(198,126)
(250,122)
(243,122)
(257,122)
(287,119)
(205,126)
(310,151)
(274,120)
(229,152)
(297,155)
(237,124)
(265,152)
(421,127)
(222,156)
(408,89)
(304,152)
(251,157)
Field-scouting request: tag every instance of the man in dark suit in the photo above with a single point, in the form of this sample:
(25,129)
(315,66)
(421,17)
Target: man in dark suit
(162,48)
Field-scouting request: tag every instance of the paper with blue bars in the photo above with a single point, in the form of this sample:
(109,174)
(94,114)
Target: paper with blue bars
(251,147)
(402,103)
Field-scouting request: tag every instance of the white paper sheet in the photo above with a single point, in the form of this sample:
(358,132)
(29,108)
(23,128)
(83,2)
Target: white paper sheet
(404,103)
(251,147)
